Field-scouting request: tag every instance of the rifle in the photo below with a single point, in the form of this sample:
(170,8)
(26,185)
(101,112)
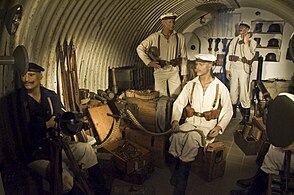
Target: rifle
(67,53)
(75,77)
(64,80)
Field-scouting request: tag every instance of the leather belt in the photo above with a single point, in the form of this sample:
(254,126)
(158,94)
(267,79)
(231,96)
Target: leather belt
(199,114)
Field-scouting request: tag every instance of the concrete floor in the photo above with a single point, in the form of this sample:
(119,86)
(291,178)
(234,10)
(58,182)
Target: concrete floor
(238,165)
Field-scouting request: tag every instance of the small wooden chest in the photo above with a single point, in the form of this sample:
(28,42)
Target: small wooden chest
(156,144)
(129,156)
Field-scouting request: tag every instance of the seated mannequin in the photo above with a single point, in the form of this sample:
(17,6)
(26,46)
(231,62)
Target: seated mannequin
(279,126)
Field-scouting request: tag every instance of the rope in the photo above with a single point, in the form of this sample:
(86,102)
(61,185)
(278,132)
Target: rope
(115,130)
(138,124)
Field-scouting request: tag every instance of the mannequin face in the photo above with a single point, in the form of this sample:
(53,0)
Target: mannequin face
(31,80)
(203,68)
(168,24)
(243,30)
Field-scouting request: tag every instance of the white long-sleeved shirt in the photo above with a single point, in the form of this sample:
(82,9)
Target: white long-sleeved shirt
(203,101)
(168,48)
(240,50)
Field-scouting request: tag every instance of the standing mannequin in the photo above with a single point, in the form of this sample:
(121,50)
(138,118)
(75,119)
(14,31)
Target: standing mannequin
(172,57)
(238,70)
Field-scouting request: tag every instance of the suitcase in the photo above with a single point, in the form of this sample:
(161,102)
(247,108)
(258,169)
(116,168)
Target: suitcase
(132,78)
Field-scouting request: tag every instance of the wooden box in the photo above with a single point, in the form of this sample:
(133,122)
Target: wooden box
(102,122)
(129,156)
(214,161)
(132,190)
(136,177)
(156,144)
(247,146)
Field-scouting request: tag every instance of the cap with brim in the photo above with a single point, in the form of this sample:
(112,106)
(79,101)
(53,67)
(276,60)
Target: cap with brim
(244,24)
(205,57)
(35,68)
(168,16)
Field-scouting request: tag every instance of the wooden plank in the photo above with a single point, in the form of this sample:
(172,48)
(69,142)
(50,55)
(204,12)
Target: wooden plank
(102,122)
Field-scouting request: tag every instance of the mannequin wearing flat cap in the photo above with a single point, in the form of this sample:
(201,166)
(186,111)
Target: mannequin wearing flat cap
(212,111)
(165,51)
(41,107)
(279,126)
(35,68)
(238,69)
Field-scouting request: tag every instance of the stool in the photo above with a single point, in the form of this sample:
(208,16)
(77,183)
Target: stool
(211,162)
(282,183)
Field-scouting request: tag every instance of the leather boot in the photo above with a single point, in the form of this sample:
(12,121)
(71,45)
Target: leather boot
(245,116)
(182,179)
(245,183)
(96,181)
(234,110)
(258,186)
(75,191)
(173,179)
(242,110)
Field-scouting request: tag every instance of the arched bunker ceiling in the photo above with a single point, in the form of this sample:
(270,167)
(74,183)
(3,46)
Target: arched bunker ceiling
(106,32)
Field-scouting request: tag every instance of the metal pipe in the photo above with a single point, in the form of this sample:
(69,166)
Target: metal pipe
(259,68)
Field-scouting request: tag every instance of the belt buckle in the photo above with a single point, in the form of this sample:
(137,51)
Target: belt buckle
(198,114)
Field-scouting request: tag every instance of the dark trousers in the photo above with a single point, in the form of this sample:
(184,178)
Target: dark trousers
(180,177)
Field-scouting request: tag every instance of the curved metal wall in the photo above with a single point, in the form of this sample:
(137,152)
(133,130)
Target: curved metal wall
(105,33)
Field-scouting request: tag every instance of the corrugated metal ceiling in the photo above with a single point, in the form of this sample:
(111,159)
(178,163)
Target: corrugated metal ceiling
(105,32)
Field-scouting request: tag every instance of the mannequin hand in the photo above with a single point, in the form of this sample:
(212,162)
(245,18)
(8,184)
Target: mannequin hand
(228,74)
(214,132)
(184,81)
(51,123)
(175,126)
(154,64)
(246,38)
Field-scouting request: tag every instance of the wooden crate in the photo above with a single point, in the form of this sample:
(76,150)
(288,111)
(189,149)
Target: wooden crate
(136,177)
(129,163)
(101,120)
(247,146)
(214,161)
(132,189)
(156,144)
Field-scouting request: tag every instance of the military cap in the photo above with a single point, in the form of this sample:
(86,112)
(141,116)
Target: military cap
(242,23)
(35,68)
(169,15)
(205,57)
(279,121)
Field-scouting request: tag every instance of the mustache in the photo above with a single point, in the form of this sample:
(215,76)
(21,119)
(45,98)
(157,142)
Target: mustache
(28,82)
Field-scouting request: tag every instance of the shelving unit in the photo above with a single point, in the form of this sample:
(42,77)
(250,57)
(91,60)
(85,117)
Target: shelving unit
(269,36)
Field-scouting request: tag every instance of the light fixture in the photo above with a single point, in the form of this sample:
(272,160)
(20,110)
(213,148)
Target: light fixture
(202,20)
(13,18)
